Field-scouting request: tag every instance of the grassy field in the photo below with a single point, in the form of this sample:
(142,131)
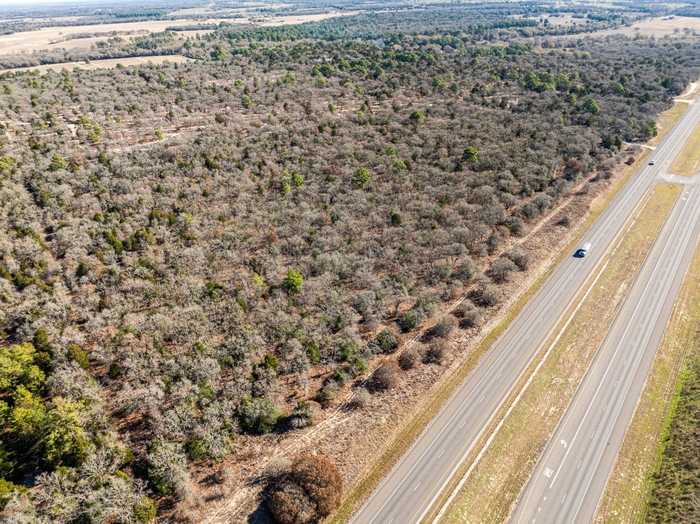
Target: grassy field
(56,37)
(60,37)
(103,64)
(666,121)
(632,481)
(498,478)
(657,27)
(687,163)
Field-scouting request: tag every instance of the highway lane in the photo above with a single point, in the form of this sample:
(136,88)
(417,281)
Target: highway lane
(416,481)
(570,477)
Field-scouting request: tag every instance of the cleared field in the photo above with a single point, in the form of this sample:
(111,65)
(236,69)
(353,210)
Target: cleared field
(496,481)
(628,489)
(59,37)
(657,27)
(103,64)
(687,163)
(50,38)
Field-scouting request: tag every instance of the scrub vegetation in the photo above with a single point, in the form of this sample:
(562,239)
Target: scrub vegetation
(200,256)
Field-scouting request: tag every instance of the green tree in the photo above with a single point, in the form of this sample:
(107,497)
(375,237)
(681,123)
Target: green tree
(471,154)
(293,281)
(57,163)
(591,106)
(258,415)
(361,177)
(18,367)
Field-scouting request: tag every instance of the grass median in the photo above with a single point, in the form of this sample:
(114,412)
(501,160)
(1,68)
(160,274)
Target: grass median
(630,485)
(495,482)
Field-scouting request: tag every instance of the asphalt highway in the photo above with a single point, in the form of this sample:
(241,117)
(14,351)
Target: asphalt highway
(570,477)
(412,487)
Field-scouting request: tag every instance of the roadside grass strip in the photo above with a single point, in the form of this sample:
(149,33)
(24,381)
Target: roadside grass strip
(489,492)
(667,119)
(687,163)
(630,486)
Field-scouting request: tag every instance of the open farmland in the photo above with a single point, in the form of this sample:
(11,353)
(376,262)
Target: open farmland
(104,64)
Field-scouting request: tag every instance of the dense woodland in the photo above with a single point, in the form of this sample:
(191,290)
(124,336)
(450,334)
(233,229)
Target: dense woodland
(193,252)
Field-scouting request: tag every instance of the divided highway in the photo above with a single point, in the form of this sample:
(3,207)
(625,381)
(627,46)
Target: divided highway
(418,479)
(570,477)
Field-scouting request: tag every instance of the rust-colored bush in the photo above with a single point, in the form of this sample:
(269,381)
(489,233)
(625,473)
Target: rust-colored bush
(308,492)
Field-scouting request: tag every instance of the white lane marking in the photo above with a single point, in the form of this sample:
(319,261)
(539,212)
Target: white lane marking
(686,236)
(548,472)
(416,486)
(602,382)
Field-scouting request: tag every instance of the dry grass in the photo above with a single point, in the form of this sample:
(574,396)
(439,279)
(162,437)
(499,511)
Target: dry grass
(657,27)
(667,120)
(687,163)
(628,489)
(498,478)
(55,37)
(103,64)
(50,38)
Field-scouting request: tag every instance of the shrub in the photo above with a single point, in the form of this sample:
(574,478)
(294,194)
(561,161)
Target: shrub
(435,353)
(78,355)
(167,469)
(386,341)
(360,398)
(471,318)
(7,489)
(361,177)
(145,510)
(258,415)
(408,359)
(328,392)
(57,163)
(443,328)
(384,378)
(308,492)
(485,295)
(301,416)
(519,257)
(410,320)
(465,270)
(293,281)
(501,268)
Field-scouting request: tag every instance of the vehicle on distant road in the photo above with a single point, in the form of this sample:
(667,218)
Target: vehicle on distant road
(652,162)
(583,250)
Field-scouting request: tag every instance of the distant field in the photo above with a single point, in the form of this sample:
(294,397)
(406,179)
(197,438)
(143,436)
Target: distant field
(51,38)
(658,27)
(103,64)
(55,37)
